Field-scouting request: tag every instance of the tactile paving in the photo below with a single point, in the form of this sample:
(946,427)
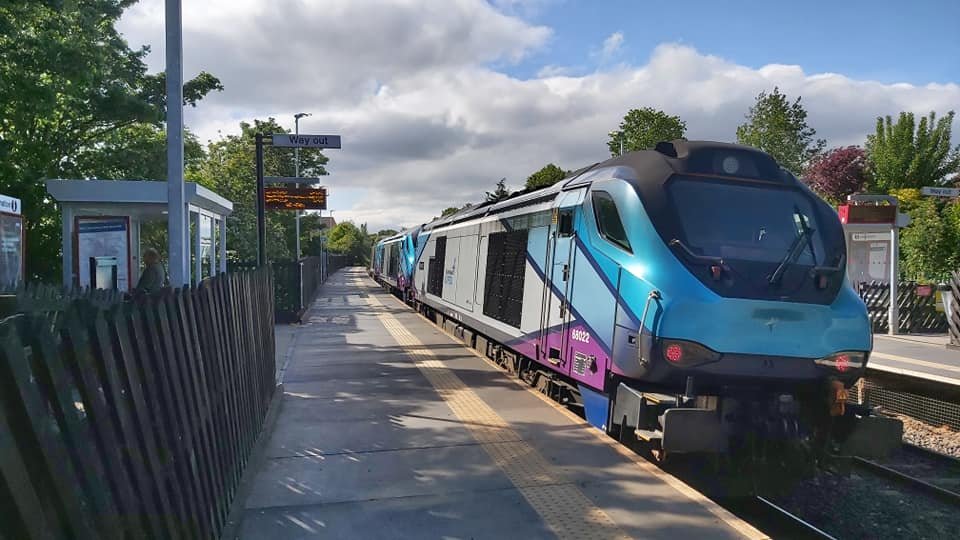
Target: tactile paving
(564,508)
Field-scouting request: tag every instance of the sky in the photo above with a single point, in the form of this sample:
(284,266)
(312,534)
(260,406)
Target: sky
(436,100)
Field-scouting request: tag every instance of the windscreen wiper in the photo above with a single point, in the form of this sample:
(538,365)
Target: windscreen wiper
(796,248)
(689,254)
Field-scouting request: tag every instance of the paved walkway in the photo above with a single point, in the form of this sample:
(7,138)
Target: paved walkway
(388,428)
(916,356)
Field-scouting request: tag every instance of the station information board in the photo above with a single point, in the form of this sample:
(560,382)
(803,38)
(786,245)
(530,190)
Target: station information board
(293,198)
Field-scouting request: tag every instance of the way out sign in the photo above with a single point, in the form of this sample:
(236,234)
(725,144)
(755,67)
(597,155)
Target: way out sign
(289,140)
(941,191)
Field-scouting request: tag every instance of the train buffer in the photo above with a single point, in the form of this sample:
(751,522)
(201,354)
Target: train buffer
(391,428)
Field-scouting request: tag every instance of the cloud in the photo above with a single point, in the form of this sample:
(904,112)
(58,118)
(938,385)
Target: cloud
(611,45)
(428,121)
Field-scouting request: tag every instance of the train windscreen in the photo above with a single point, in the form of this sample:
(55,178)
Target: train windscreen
(741,221)
(759,240)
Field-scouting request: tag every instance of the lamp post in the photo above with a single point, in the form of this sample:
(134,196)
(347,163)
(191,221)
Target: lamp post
(176,226)
(296,173)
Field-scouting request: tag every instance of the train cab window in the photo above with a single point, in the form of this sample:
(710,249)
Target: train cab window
(565,223)
(608,220)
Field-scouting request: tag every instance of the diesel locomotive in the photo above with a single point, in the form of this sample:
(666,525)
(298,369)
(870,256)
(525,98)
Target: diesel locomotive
(687,296)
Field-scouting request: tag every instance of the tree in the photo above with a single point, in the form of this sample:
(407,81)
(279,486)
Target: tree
(642,129)
(70,83)
(838,173)
(549,175)
(384,233)
(346,239)
(499,193)
(780,129)
(450,210)
(903,157)
(229,169)
(928,246)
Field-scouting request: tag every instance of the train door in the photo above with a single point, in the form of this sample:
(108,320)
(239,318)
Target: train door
(557,284)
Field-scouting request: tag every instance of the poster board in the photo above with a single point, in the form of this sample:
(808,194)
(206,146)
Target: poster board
(103,236)
(206,244)
(11,242)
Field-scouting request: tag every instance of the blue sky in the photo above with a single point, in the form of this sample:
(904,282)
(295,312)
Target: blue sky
(915,41)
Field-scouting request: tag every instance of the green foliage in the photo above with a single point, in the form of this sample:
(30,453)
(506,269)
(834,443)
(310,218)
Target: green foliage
(345,238)
(642,129)
(928,246)
(70,86)
(549,175)
(780,129)
(500,192)
(230,170)
(905,155)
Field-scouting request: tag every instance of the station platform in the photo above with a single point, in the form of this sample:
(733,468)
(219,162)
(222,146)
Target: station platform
(390,428)
(918,356)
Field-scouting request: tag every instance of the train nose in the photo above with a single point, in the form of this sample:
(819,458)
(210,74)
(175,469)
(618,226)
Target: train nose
(767,328)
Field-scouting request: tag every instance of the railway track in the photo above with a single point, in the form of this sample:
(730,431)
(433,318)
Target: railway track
(776,521)
(930,472)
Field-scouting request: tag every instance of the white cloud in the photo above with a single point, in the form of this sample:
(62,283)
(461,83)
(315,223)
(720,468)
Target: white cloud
(611,45)
(427,123)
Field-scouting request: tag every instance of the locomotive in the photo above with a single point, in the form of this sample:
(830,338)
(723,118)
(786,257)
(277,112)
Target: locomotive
(686,296)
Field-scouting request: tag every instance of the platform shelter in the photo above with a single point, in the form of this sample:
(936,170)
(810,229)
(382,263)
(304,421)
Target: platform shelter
(102,219)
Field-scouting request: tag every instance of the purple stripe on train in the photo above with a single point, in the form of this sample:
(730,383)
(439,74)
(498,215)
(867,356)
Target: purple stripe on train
(584,358)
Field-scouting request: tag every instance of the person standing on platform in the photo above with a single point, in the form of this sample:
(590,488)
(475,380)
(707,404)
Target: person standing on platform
(154,277)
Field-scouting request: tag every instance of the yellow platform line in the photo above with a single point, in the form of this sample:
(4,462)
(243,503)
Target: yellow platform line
(565,510)
(734,522)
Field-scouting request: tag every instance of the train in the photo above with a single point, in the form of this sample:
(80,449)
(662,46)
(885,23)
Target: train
(690,297)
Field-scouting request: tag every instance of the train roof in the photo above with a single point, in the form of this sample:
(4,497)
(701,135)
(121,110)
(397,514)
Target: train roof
(645,169)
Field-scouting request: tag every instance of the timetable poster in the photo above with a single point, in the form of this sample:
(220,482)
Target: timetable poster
(104,237)
(11,250)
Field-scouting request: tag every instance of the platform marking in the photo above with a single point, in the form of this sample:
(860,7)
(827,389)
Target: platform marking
(565,510)
(724,515)
(923,375)
(914,361)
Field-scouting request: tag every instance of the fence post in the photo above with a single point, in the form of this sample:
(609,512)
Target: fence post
(894,314)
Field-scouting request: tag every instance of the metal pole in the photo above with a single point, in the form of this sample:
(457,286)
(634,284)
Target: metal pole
(296,168)
(894,314)
(176,222)
(223,244)
(621,143)
(261,217)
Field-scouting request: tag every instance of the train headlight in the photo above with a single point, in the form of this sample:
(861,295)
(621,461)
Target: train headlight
(844,361)
(686,354)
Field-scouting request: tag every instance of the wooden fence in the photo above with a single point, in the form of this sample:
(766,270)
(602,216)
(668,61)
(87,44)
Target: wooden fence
(135,420)
(918,312)
(954,322)
(297,282)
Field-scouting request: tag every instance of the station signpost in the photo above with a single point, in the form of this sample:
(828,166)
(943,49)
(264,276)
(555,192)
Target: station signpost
(287,198)
(871,224)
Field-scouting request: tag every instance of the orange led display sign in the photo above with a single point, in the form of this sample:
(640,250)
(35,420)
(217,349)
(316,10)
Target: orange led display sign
(293,198)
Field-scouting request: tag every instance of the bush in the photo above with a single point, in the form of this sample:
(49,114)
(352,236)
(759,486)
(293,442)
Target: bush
(928,246)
